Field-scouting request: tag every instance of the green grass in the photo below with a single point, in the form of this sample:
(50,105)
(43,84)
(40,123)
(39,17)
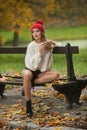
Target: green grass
(11,63)
(79,62)
(67,33)
(55,33)
(15,63)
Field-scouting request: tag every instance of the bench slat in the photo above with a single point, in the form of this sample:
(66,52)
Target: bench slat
(62,50)
(12,83)
(12,50)
(22,50)
(19,83)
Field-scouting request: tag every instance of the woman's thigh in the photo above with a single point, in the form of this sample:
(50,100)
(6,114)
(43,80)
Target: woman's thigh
(47,77)
(51,73)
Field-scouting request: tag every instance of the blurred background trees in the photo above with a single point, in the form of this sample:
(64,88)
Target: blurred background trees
(17,15)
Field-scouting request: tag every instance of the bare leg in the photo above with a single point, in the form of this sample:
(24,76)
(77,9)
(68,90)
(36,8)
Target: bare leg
(47,77)
(27,76)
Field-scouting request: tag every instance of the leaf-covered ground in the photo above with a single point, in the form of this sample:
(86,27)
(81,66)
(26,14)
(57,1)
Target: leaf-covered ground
(49,109)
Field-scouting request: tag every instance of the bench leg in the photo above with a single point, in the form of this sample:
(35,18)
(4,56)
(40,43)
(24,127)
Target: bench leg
(2,87)
(73,95)
(72,92)
(69,94)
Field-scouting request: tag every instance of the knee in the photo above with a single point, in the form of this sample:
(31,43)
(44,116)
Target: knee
(27,75)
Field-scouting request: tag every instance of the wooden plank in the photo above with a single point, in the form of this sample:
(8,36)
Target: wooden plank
(22,50)
(12,83)
(62,50)
(19,81)
(13,50)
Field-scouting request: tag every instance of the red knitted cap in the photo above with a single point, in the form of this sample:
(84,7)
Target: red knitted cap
(39,25)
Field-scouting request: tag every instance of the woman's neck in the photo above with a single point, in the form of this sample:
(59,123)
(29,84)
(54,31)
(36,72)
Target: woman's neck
(38,41)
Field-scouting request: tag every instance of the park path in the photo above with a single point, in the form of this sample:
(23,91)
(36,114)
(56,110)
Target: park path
(81,43)
(50,102)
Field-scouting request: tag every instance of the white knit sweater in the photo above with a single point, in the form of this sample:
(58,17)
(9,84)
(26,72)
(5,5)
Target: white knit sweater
(35,60)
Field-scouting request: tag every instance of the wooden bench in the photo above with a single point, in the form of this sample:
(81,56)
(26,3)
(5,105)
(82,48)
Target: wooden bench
(68,50)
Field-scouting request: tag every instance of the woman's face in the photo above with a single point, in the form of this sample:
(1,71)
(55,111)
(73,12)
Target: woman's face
(36,33)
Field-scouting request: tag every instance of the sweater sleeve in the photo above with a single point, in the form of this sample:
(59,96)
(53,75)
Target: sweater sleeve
(32,59)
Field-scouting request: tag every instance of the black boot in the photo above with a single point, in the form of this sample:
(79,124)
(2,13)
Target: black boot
(2,87)
(29,111)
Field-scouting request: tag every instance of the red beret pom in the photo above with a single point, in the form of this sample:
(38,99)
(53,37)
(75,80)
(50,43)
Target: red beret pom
(39,24)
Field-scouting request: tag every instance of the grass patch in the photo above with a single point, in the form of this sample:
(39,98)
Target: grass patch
(11,63)
(67,33)
(79,62)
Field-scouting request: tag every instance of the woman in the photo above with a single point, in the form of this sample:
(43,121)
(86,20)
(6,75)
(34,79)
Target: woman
(38,62)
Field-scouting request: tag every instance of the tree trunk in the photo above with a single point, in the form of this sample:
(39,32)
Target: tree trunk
(15,39)
(16,35)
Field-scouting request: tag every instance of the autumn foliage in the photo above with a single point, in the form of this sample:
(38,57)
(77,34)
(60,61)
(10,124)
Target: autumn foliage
(23,12)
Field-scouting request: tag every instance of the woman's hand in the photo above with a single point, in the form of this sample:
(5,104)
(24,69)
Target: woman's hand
(46,45)
(50,44)
(42,47)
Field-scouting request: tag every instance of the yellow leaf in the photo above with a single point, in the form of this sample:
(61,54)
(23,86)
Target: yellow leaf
(66,114)
(45,108)
(57,128)
(37,108)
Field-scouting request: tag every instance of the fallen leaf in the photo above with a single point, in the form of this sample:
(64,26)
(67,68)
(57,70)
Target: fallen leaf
(57,128)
